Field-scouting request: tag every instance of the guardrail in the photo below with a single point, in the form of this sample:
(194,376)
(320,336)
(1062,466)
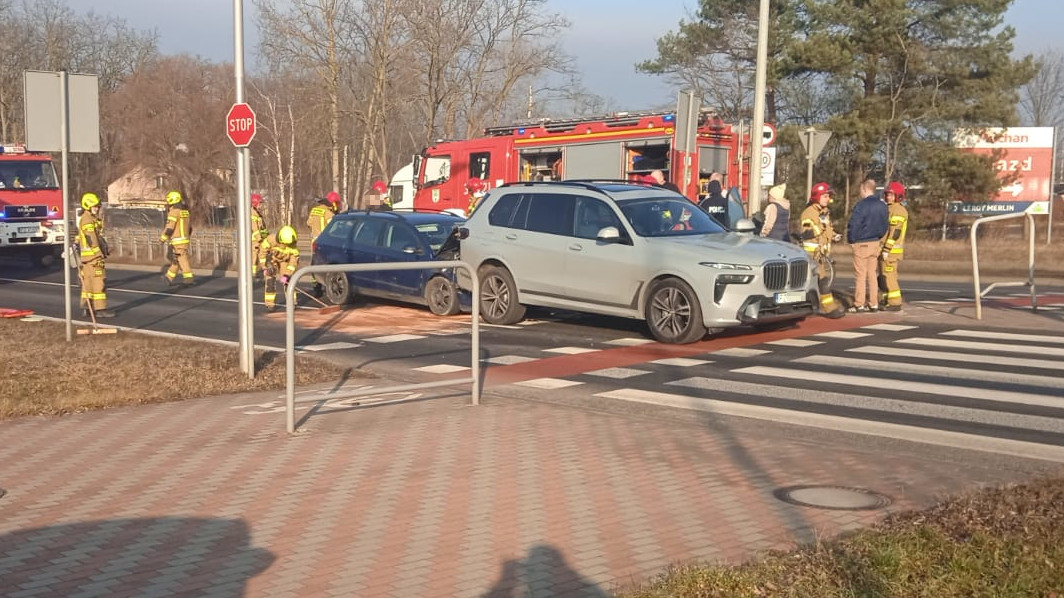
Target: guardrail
(290,334)
(205,246)
(975,263)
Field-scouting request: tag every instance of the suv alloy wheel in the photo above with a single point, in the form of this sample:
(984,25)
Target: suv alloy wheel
(498,296)
(673,312)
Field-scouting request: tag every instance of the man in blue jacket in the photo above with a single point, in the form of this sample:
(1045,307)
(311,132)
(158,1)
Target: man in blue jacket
(868,224)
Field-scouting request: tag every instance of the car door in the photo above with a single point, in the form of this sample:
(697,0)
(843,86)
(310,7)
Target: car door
(365,249)
(401,243)
(605,273)
(535,246)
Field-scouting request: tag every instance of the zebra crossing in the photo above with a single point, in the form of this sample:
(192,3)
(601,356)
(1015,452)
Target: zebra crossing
(984,390)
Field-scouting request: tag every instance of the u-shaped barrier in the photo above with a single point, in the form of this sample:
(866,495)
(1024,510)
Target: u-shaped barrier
(975,263)
(290,332)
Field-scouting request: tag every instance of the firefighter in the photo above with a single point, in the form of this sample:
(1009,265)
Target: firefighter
(817,236)
(278,258)
(475,189)
(258,232)
(320,214)
(93,253)
(893,246)
(379,191)
(177,234)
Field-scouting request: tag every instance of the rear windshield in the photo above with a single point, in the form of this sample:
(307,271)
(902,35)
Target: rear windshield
(667,217)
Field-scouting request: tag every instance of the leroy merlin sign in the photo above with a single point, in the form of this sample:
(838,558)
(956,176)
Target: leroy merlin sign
(1023,161)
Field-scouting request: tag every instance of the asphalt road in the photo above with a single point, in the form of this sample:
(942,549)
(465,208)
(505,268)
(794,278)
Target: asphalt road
(880,375)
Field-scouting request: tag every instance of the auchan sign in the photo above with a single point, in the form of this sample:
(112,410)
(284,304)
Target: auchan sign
(1026,154)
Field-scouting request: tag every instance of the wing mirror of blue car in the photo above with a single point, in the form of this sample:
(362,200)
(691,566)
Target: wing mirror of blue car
(744,225)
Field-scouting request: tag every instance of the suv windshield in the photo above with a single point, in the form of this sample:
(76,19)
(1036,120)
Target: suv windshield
(667,217)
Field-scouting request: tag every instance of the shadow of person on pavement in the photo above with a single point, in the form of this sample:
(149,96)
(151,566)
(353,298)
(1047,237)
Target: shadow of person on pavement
(132,557)
(543,573)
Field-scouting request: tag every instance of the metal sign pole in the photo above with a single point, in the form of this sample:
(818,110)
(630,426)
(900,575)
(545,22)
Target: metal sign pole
(244,301)
(70,223)
(757,140)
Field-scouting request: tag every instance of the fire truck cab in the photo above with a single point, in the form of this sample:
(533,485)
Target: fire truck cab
(31,206)
(619,146)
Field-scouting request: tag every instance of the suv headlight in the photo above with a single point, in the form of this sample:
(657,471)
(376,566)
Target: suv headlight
(730,273)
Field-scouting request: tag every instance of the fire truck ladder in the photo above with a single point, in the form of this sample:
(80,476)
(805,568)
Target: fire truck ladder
(614,119)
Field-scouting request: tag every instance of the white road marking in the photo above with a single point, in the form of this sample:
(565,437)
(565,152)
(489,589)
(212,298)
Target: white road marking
(617,373)
(888,327)
(981,374)
(740,352)
(795,342)
(548,383)
(330,346)
(682,362)
(843,334)
(442,369)
(946,390)
(395,338)
(1005,336)
(1003,348)
(964,357)
(570,350)
(629,342)
(1017,448)
(508,359)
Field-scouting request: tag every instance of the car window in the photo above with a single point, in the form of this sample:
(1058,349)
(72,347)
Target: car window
(369,232)
(399,236)
(339,229)
(503,211)
(551,213)
(667,217)
(436,232)
(592,215)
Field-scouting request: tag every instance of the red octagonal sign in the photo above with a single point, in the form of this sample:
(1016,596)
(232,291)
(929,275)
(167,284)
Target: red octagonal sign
(240,125)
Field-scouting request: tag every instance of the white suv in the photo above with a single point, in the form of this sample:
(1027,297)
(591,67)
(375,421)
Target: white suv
(629,250)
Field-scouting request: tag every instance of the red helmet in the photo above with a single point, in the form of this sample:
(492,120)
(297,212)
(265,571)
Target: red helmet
(256,200)
(818,190)
(475,185)
(334,198)
(380,187)
(896,188)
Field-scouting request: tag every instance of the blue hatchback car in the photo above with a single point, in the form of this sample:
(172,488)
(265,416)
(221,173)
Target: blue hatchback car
(367,237)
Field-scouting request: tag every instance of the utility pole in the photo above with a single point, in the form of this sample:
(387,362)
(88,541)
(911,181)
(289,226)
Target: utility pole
(757,141)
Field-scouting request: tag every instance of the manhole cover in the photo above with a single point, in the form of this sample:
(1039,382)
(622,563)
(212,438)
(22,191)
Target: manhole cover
(839,498)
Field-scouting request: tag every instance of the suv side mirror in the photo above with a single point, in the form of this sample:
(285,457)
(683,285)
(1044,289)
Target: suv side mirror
(744,225)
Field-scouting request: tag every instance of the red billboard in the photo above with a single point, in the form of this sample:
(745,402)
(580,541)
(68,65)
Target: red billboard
(1025,161)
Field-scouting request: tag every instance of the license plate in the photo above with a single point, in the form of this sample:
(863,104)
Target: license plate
(29,230)
(792,297)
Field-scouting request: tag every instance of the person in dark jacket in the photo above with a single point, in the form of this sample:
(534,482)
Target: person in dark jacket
(868,225)
(715,204)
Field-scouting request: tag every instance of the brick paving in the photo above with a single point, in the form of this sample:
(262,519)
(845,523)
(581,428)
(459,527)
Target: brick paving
(208,497)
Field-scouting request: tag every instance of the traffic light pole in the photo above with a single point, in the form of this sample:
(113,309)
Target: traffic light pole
(244,296)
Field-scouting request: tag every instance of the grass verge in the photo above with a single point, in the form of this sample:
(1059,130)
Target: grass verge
(49,376)
(1001,542)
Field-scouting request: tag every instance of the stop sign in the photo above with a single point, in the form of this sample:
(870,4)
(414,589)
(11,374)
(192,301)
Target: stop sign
(240,125)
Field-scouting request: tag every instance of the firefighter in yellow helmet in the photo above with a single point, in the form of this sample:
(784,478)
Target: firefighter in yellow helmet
(177,234)
(93,253)
(258,232)
(278,258)
(817,235)
(893,246)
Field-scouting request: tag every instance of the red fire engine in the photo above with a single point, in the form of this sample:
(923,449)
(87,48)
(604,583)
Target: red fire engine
(619,146)
(31,205)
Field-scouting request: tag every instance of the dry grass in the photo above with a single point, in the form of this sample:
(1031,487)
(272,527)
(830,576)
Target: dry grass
(997,256)
(49,376)
(992,543)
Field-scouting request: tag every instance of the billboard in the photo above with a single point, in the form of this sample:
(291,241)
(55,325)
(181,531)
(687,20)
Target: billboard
(1026,156)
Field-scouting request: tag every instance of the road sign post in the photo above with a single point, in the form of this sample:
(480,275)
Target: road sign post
(813,141)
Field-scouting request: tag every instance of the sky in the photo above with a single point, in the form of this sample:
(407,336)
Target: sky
(607,37)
